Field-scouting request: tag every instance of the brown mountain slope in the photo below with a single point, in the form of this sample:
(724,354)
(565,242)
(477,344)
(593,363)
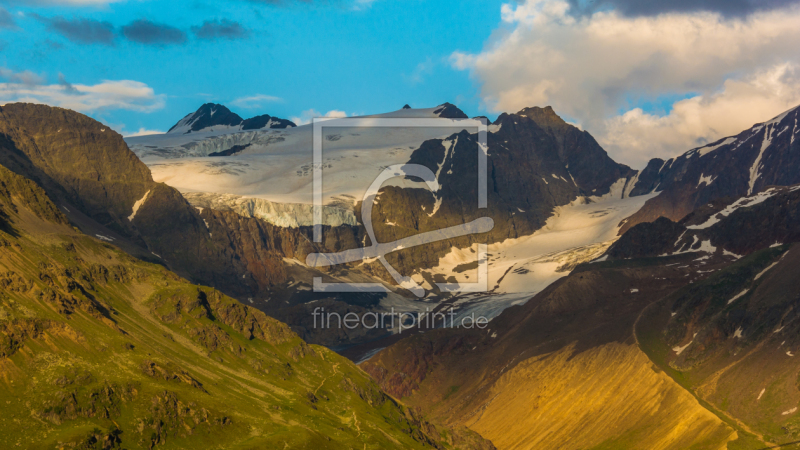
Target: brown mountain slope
(561,372)
(103,187)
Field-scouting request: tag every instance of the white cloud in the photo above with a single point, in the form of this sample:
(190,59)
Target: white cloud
(636,136)
(107,95)
(142,132)
(593,67)
(255,101)
(306,116)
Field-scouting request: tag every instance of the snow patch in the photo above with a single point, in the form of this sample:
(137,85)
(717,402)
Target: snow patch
(754,170)
(734,255)
(678,350)
(766,270)
(738,296)
(706,179)
(703,151)
(744,202)
(138,204)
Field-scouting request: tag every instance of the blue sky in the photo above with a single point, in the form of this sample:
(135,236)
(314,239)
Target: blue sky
(348,55)
(647,78)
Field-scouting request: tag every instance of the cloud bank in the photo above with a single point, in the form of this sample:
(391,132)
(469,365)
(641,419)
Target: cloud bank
(106,95)
(596,69)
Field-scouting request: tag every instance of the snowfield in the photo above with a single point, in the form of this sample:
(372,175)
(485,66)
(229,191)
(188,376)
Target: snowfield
(520,268)
(276,164)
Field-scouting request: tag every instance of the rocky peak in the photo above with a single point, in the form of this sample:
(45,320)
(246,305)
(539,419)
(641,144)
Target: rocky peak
(266,121)
(406,106)
(208,115)
(544,117)
(215,115)
(450,111)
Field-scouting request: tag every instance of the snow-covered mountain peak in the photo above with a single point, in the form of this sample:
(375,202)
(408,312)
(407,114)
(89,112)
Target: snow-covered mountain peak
(213,117)
(207,116)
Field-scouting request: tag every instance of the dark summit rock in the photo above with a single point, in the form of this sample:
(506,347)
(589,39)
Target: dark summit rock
(208,115)
(531,170)
(450,111)
(406,106)
(545,118)
(583,158)
(266,121)
(212,114)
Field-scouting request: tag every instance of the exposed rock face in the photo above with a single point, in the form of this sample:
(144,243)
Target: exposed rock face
(266,121)
(765,155)
(212,115)
(75,157)
(208,115)
(749,224)
(588,164)
(533,165)
(448,111)
(83,164)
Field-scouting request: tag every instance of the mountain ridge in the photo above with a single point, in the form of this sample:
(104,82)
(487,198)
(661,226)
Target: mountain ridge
(210,115)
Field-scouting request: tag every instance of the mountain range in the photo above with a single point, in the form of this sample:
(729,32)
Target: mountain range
(629,309)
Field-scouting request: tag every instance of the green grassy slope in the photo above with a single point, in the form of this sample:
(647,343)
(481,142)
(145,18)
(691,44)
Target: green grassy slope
(100,350)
